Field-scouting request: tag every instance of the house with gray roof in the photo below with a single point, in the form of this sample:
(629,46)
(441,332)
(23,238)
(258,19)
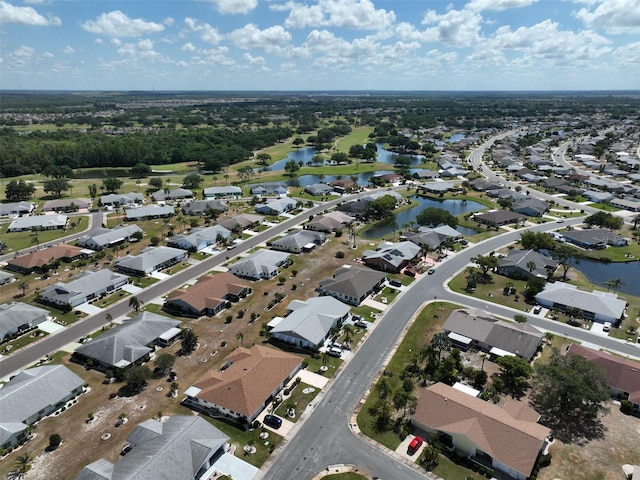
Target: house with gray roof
(261,264)
(532,207)
(477,328)
(626,203)
(32,395)
(228,191)
(19,317)
(391,257)
(319,189)
(277,206)
(84,288)
(66,204)
(298,241)
(121,199)
(176,194)
(199,238)
(308,323)
(439,187)
(598,197)
(129,343)
(183,447)
(269,188)
(597,306)
(329,222)
(6,277)
(526,264)
(16,209)
(108,237)
(38,222)
(594,238)
(351,284)
(152,211)
(498,218)
(241,222)
(150,260)
(200,207)
(432,237)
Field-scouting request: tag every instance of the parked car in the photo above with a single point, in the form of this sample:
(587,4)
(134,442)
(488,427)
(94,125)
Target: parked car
(334,351)
(273,421)
(395,283)
(537,309)
(415,444)
(361,323)
(606,327)
(431,271)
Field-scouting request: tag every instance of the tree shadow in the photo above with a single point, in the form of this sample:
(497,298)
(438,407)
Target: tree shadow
(575,429)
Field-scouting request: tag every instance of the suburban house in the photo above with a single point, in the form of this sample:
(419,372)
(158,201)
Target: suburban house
(16,209)
(19,317)
(86,287)
(67,205)
(38,222)
(596,305)
(241,222)
(208,296)
(425,174)
(298,241)
(277,206)
(319,189)
(269,188)
(506,438)
(329,222)
(498,218)
(391,257)
(623,375)
(150,260)
(247,383)
(261,264)
(351,284)
(526,264)
(229,191)
(344,185)
(201,207)
(121,199)
(439,187)
(146,213)
(108,237)
(32,395)
(531,207)
(476,328)
(182,447)
(176,194)
(199,238)
(594,238)
(42,259)
(626,204)
(6,277)
(432,237)
(308,323)
(129,343)
(356,208)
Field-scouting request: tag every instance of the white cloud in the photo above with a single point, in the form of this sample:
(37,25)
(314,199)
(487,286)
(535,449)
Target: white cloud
(116,41)
(47,55)
(498,5)
(207,33)
(141,50)
(356,14)
(98,41)
(19,58)
(25,16)
(117,24)
(188,47)
(169,21)
(234,6)
(613,16)
(68,50)
(251,60)
(458,28)
(273,39)
(628,55)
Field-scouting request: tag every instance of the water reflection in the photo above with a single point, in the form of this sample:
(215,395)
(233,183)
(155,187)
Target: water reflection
(599,272)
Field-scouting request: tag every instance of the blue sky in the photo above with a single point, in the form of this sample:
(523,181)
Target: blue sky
(320,44)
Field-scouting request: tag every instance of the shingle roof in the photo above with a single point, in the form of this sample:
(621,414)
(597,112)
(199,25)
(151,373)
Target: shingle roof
(196,236)
(16,207)
(393,253)
(353,281)
(43,257)
(241,221)
(121,199)
(208,291)
(260,263)
(126,343)
(44,221)
(514,442)
(252,377)
(597,302)
(297,240)
(104,237)
(149,258)
(81,287)
(520,259)
(176,449)
(15,314)
(311,319)
(228,190)
(198,207)
(66,203)
(150,211)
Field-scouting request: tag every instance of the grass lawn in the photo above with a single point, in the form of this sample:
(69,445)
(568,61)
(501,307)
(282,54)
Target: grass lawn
(365,312)
(20,240)
(389,295)
(332,363)
(452,471)
(298,400)
(22,341)
(345,476)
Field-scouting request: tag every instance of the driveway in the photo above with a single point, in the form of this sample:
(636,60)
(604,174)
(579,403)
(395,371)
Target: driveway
(404,445)
(88,308)
(312,379)
(132,289)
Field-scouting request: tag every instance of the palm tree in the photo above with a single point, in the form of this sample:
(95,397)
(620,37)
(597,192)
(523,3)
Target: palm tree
(614,284)
(109,318)
(382,410)
(23,287)
(135,303)
(441,343)
(240,336)
(35,240)
(22,465)
(348,333)
(531,266)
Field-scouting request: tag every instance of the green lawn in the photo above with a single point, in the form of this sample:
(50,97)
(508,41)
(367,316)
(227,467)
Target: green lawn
(298,400)
(344,476)
(22,341)
(451,471)
(20,240)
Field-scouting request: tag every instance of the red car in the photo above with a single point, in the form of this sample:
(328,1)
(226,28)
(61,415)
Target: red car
(415,444)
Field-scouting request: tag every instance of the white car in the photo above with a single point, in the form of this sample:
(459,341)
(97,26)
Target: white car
(606,327)
(334,351)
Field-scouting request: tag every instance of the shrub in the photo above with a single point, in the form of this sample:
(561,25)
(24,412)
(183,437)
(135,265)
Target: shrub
(339,254)
(54,441)
(626,407)
(544,460)
(228,319)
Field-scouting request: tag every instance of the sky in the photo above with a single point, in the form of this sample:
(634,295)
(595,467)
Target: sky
(320,45)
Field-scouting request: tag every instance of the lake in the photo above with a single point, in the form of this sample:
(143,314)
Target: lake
(599,272)
(454,207)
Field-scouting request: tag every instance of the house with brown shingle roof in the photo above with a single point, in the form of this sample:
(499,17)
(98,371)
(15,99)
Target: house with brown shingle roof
(37,260)
(507,438)
(246,384)
(623,375)
(209,295)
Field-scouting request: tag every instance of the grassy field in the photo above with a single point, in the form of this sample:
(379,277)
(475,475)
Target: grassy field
(16,241)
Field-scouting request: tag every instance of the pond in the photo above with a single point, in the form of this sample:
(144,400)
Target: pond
(600,272)
(395,223)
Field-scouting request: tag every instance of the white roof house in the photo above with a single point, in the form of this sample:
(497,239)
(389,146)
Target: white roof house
(296,242)
(152,211)
(32,395)
(121,199)
(277,206)
(40,222)
(105,237)
(87,286)
(309,322)
(596,305)
(199,238)
(16,316)
(226,191)
(16,208)
(150,260)
(260,264)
